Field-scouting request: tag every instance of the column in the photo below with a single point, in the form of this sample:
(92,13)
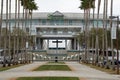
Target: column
(35,42)
(47,44)
(72,43)
(78,45)
(75,44)
(41,43)
(66,44)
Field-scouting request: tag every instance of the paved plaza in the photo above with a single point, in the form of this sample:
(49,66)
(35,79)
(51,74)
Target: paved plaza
(78,70)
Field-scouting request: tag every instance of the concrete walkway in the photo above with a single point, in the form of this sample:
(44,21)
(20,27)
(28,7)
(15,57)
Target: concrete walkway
(78,71)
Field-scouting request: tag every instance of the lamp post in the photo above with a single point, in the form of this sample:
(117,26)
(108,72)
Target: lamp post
(113,17)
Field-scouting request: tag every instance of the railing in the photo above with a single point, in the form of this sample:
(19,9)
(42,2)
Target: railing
(56,51)
(55,33)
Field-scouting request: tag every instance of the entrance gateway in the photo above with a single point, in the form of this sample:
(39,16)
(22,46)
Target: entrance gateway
(56,36)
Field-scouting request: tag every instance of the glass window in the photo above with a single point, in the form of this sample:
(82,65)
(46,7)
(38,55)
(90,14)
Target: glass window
(70,22)
(43,22)
(60,32)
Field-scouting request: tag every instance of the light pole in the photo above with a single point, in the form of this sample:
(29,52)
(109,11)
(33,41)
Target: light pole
(112,17)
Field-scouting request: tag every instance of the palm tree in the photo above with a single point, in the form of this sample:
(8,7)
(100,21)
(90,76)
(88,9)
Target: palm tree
(14,35)
(106,40)
(18,33)
(6,36)
(28,5)
(1,16)
(93,34)
(9,35)
(97,42)
(111,14)
(32,7)
(86,5)
(103,42)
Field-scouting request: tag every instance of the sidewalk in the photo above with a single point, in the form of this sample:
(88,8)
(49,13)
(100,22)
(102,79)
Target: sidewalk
(78,71)
(90,73)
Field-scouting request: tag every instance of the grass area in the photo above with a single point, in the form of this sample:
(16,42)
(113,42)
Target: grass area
(53,66)
(110,71)
(10,67)
(48,78)
(56,63)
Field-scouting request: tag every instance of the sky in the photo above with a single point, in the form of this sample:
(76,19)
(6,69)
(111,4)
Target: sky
(72,6)
(66,6)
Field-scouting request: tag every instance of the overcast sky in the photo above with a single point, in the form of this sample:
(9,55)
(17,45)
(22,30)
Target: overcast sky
(66,6)
(70,6)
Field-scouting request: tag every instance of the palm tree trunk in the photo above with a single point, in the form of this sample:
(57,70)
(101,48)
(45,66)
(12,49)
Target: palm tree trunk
(9,35)
(86,35)
(93,35)
(107,66)
(26,35)
(111,14)
(18,38)
(30,33)
(103,52)
(1,17)
(6,35)
(97,43)
(14,53)
(22,39)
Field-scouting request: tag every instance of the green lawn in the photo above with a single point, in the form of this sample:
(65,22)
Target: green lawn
(61,66)
(48,78)
(55,63)
(10,67)
(53,67)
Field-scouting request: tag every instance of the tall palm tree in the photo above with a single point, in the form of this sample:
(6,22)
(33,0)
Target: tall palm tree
(28,5)
(86,5)
(103,42)
(9,35)
(97,43)
(18,33)
(93,34)
(6,35)
(32,7)
(14,35)
(106,40)
(111,14)
(24,3)
(1,17)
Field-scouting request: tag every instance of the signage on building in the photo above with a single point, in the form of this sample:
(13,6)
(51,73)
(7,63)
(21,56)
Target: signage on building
(113,33)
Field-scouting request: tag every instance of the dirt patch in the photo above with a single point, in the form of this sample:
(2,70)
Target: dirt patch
(83,79)
(72,69)
(35,67)
(13,79)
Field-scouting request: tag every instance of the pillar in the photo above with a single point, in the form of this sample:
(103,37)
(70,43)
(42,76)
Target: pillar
(47,44)
(66,44)
(39,40)
(75,42)
(41,43)
(72,43)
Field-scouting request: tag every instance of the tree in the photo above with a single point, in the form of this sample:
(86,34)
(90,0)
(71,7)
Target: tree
(93,44)
(9,35)
(105,24)
(1,16)
(6,35)
(28,5)
(111,14)
(97,38)
(86,5)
